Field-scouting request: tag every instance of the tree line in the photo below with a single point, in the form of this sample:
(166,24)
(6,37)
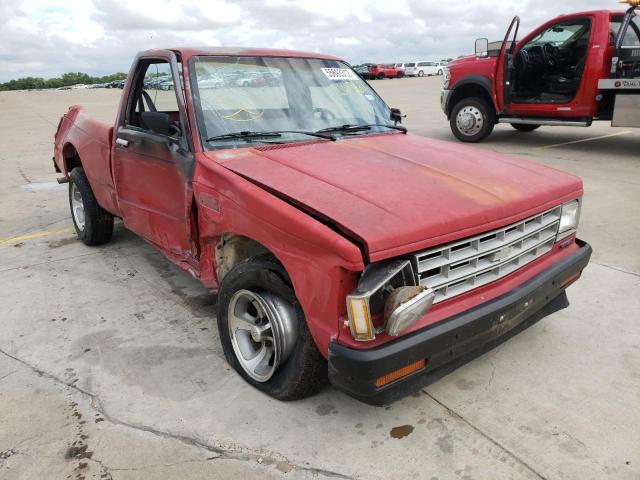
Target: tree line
(65,80)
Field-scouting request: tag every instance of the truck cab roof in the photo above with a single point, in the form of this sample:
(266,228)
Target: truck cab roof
(187,52)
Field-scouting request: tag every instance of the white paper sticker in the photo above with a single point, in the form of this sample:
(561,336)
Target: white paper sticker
(339,73)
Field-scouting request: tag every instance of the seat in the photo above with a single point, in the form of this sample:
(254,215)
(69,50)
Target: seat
(568,82)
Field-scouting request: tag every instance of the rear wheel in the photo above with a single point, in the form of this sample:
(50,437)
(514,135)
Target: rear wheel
(264,333)
(421,73)
(472,119)
(439,72)
(94,225)
(525,127)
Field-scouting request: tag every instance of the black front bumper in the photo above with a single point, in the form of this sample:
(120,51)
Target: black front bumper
(455,341)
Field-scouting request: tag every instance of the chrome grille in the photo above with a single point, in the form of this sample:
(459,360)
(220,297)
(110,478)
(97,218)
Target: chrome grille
(461,266)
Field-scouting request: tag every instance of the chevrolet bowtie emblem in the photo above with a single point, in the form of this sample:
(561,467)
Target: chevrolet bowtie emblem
(501,255)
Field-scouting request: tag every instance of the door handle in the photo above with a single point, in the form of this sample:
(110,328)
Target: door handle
(122,142)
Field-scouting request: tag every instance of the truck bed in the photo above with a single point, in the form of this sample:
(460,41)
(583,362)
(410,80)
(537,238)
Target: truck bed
(92,140)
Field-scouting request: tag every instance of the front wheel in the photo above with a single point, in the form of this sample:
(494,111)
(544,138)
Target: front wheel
(94,225)
(421,73)
(264,333)
(472,119)
(400,74)
(525,127)
(380,76)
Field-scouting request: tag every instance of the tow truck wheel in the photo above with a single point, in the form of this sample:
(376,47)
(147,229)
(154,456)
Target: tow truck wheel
(525,127)
(472,119)
(94,225)
(263,331)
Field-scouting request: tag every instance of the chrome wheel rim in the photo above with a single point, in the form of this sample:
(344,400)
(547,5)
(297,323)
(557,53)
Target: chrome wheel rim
(77,206)
(469,120)
(263,331)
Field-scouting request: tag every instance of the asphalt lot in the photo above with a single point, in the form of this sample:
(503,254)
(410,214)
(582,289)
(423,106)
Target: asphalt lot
(110,365)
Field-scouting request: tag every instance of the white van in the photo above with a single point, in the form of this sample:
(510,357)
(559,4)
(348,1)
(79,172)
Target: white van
(430,68)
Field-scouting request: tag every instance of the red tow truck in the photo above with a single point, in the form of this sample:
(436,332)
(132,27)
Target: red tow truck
(571,71)
(337,246)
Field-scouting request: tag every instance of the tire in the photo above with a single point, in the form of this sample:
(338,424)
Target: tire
(380,76)
(421,73)
(400,74)
(525,127)
(304,370)
(439,72)
(479,119)
(93,224)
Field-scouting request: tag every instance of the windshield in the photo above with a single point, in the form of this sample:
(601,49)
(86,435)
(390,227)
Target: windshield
(275,94)
(562,34)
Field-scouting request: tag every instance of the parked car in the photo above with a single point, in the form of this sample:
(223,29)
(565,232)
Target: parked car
(211,81)
(428,69)
(410,69)
(571,71)
(380,72)
(363,71)
(340,245)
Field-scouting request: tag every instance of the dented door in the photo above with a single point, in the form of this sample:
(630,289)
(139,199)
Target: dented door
(152,171)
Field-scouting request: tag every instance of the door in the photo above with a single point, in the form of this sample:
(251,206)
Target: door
(504,66)
(552,72)
(152,159)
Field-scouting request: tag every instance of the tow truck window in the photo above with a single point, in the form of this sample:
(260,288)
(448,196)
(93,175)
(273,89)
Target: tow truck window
(561,34)
(632,35)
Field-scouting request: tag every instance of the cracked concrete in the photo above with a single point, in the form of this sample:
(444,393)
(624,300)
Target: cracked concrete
(119,339)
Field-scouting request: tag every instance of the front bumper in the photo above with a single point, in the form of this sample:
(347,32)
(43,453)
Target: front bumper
(444,100)
(455,341)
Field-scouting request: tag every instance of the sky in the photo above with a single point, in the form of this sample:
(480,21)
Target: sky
(47,38)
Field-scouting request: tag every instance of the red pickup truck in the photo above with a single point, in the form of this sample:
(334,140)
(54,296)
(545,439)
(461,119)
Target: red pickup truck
(571,71)
(340,245)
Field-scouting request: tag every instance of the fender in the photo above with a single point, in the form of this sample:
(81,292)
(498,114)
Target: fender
(471,80)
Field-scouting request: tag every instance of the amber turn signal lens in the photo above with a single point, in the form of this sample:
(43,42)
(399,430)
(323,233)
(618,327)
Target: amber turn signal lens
(401,372)
(570,279)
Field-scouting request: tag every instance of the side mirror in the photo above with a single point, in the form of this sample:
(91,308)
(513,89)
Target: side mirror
(482,47)
(396,115)
(157,122)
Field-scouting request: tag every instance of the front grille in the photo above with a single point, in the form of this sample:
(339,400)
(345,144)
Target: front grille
(461,266)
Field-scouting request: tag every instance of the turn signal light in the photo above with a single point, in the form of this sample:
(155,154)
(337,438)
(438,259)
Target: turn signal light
(401,372)
(570,279)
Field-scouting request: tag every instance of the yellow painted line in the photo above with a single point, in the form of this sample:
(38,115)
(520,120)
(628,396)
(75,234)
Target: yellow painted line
(617,134)
(29,236)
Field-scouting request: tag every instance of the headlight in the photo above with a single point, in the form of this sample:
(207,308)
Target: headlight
(446,76)
(569,218)
(387,298)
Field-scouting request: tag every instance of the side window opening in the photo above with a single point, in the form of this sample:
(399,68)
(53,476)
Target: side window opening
(154,91)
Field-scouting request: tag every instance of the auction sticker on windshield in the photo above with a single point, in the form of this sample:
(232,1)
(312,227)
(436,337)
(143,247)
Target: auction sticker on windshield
(339,74)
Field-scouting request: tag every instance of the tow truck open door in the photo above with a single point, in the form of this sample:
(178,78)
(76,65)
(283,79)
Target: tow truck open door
(505,67)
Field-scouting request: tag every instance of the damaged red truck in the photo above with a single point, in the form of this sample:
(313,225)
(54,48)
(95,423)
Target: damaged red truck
(340,245)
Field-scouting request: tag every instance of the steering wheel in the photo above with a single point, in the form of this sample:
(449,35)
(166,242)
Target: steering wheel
(525,59)
(550,54)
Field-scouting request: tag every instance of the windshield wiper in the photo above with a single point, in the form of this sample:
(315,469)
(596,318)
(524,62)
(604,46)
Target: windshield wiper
(360,128)
(251,135)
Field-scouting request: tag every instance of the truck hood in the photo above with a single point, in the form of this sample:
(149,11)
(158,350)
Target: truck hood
(396,193)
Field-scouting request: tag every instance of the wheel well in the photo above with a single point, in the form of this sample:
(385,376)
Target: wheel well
(232,249)
(71,157)
(468,90)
